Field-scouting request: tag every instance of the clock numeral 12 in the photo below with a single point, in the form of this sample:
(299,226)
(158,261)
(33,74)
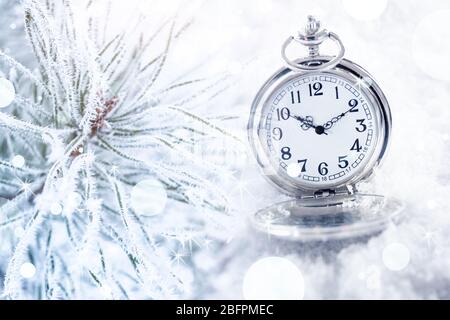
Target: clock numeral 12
(337,92)
(315,89)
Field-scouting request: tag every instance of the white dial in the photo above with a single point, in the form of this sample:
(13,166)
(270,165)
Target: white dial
(319,129)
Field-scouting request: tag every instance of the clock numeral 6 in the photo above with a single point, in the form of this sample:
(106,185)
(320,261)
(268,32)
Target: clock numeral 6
(283,114)
(362,126)
(286,153)
(356,147)
(277,133)
(315,89)
(353,104)
(342,162)
(323,169)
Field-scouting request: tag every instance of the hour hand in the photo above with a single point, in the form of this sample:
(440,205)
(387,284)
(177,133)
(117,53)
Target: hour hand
(306,122)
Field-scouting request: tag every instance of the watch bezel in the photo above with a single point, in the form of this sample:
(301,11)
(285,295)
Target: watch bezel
(353,73)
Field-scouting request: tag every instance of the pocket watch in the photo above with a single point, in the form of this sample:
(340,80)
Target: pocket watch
(317,127)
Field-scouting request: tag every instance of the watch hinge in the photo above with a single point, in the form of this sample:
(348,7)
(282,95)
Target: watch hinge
(324,194)
(329,193)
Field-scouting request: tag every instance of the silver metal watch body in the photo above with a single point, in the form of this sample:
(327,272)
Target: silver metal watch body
(354,74)
(333,210)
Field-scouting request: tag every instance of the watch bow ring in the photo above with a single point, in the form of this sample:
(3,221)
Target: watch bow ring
(312,38)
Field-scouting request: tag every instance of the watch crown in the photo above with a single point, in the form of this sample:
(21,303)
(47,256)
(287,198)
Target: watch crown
(313,36)
(312,26)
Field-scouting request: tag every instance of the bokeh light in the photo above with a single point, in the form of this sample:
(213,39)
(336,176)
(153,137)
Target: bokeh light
(148,197)
(294,170)
(56,209)
(365,10)
(396,256)
(18,161)
(273,278)
(27,270)
(7,92)
(431,43)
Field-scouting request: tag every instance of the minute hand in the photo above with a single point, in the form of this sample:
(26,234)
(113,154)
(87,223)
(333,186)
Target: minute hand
(328,125)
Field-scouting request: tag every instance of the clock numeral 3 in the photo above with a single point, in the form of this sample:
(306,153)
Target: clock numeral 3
(283,114)
(315,89)
(277,133)
(303,163)
(362,127)
(286,153)
(295,97)
(353,104)
(356,147)
(323,169)
(342,162)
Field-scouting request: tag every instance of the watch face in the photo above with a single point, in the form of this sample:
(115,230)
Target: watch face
(319,129)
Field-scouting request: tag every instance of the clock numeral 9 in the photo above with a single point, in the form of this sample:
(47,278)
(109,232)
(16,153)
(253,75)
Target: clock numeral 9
(315,89)
(283,114)
(353,104)
(277,133)
(342,162)
(286,153)
(323,169)
(356,147)
(362,126)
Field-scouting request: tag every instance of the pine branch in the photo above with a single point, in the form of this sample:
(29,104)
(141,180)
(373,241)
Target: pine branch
(75,121)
